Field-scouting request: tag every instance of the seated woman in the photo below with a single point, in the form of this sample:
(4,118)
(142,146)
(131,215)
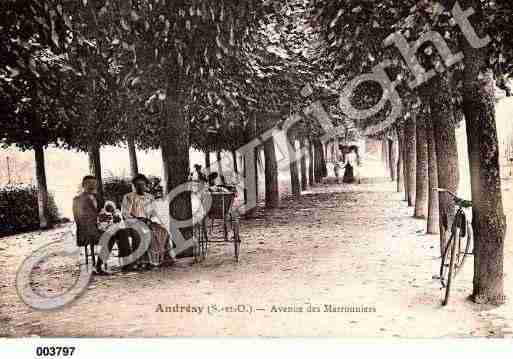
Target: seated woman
(141,205)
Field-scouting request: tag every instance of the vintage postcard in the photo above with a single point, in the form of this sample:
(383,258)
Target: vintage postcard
(256,168)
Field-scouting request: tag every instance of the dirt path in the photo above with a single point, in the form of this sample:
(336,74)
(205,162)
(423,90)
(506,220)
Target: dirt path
(344,245)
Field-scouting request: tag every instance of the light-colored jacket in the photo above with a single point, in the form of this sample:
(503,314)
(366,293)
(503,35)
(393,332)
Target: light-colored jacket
(143,206)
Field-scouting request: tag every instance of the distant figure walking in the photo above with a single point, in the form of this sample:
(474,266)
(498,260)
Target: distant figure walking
(352,164)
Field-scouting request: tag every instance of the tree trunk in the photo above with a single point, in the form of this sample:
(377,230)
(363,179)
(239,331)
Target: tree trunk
(42,189)
(400,165)
(207,162)
(422,176)
(304,169)
(433,222)
(294,173)
(246,181)
(488,220)
(165,169)
(391,159)
(272,194)
(319,164)
(442,114)
(410,159)
(385,154)
(219,163)
(175,144)
(324,166)
(257,167)
(235,164)
(134,168)
(95,168)
(250,168)
(405,171)
(333,150)
(311,176)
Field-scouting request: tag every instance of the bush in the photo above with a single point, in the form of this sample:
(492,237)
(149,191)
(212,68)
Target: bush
(19,209)
(116,187)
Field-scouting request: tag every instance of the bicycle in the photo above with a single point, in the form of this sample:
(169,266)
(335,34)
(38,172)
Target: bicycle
(461,231)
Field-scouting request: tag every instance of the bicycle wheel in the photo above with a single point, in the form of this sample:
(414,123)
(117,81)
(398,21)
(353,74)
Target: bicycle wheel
(453,242)
(445,263)
(462,255)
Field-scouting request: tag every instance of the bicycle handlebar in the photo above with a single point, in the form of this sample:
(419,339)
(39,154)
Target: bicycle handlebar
(458,201)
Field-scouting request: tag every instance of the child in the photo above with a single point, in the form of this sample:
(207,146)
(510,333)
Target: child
(109,215)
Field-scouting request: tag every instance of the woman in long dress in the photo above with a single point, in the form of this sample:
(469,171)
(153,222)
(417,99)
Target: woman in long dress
(352,163)
(140,204)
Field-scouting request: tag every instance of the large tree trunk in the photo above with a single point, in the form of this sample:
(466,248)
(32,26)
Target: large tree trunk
(165,169)
(433,222)
(488,220)
(272,194)
(304,168)
(95,168)
(294,173)
(311,172)
(175,145)
(410,159)
(422,176)
(132,154)
(400,165)
(442,114)
(42,189)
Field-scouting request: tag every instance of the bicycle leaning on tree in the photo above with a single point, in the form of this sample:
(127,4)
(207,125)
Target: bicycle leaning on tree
(458,246)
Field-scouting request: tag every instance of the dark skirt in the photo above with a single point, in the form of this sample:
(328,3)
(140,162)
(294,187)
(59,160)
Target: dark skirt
(348,174)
